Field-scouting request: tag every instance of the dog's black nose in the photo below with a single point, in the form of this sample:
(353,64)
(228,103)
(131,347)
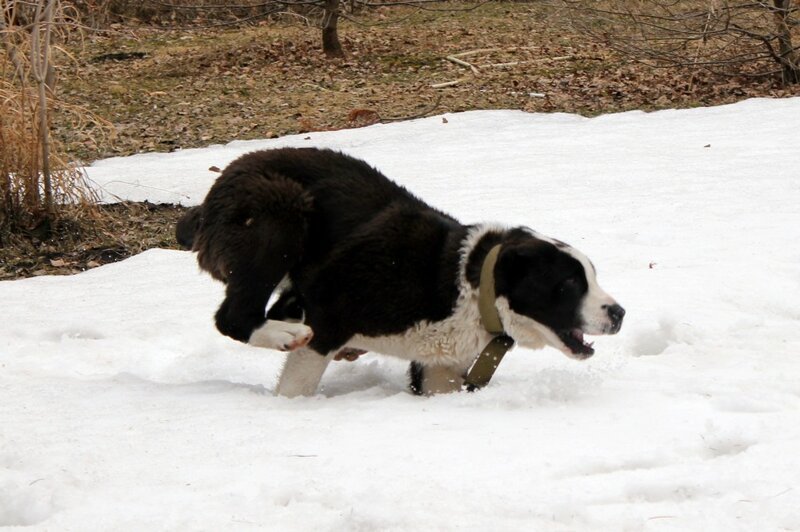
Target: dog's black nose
(616,313)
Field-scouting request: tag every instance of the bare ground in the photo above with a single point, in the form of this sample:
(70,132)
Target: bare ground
(168,89)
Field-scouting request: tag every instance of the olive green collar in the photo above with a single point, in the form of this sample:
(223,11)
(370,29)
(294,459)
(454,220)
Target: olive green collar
(485,365)
(486,296)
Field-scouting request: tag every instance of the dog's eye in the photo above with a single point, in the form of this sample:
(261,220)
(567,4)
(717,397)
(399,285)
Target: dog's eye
(570,283)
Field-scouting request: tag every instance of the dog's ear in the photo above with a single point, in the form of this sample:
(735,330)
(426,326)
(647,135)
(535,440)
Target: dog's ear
(525,269)
(517,259)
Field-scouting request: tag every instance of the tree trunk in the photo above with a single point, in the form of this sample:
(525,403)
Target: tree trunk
(330,31)
(41,66)
(788,55)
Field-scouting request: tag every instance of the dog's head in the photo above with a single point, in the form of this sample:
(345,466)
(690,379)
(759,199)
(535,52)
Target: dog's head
(547,292)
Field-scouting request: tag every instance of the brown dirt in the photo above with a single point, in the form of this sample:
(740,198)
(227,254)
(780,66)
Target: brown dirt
(174,89)
(121,230)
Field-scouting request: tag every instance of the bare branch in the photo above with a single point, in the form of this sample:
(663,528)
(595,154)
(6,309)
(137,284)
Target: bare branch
(726,34)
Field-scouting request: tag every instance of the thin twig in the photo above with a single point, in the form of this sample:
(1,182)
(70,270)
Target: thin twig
(454,59)
(447,83)
(429,110)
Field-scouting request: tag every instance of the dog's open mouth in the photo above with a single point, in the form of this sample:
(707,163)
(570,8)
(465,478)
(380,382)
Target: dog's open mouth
(573,339)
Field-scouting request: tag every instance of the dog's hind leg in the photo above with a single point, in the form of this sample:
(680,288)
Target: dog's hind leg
(431,380)
(302,372)
(251,235)
(243,309)
(281,335)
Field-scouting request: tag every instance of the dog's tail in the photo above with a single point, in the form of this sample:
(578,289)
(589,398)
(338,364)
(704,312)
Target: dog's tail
(187,226)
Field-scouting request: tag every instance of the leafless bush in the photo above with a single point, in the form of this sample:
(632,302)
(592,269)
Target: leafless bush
(727,36)
(38,185)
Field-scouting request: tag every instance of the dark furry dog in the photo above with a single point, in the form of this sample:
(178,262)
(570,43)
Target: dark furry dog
(361,263)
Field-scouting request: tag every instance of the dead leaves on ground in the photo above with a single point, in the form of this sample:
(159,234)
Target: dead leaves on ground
(188,88)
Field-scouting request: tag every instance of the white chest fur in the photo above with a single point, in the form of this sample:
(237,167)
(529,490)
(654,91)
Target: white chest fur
(454,341)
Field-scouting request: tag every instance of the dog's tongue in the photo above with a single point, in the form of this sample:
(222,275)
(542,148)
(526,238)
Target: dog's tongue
(587,346)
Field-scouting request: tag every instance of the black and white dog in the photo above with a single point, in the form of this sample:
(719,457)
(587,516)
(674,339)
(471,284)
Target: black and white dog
(362,264)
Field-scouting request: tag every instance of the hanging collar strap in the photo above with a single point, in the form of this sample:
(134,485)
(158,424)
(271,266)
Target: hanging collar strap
(484,367)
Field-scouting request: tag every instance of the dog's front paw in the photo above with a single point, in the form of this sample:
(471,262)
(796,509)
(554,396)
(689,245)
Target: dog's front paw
(281,335)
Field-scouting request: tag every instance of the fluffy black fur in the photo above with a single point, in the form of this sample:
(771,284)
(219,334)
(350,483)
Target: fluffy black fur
(336,226)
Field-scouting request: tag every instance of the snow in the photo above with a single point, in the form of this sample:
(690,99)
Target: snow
(121,407)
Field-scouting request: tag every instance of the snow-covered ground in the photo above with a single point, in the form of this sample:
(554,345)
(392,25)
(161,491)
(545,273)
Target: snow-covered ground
(121,407)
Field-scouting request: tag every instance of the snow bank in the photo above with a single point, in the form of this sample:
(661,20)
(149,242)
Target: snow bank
(122,408)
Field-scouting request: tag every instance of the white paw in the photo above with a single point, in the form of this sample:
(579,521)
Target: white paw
(281,335)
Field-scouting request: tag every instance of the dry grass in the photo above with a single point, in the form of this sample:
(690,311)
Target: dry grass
(42,192)
(21,186)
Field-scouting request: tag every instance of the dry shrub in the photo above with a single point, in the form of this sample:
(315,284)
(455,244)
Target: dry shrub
(41,190)
(21,181)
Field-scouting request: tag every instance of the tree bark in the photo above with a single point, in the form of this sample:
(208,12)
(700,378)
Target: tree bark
(41,67)
(790,64)
(330,30)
